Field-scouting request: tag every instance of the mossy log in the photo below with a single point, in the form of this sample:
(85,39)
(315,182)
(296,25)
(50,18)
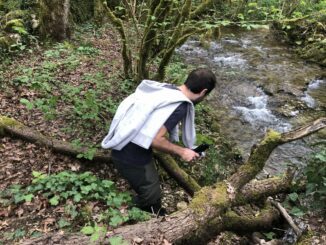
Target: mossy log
(189,184)
(12,128)
(204,216)
(171,226)
(244,223)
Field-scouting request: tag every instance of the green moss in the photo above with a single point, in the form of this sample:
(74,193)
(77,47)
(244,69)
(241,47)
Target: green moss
(271,137)
(215,195)
(16,14)
(4,43)
(306,239)
(168,160)
(13,23)
(7,122)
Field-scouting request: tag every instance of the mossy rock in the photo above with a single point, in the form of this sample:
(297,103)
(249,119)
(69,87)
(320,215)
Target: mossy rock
(10,25)
(315,52)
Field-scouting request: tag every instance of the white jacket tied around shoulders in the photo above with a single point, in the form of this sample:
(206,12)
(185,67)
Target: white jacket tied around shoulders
(140,116)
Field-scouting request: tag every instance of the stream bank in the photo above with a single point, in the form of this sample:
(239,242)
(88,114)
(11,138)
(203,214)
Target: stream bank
(262,84)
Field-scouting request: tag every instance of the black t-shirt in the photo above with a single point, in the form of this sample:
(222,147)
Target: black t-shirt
(134,154)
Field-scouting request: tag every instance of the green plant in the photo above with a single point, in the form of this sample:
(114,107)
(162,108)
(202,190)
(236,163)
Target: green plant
(88,50)
(117,240)
(88,151)
(88,107)
(176,72)
(270,235)
(316,179)
(62,223)
(94,231)
(78,188)
(47,106)
(16,235)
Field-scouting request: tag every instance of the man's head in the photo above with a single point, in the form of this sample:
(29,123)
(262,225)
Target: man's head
(200,82)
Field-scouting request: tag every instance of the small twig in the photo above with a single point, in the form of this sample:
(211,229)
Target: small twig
(49,168)
(288,218)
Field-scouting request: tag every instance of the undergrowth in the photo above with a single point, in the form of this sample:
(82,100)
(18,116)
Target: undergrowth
(77,193)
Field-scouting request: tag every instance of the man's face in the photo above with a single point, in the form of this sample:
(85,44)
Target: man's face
(198,100)
(200,97)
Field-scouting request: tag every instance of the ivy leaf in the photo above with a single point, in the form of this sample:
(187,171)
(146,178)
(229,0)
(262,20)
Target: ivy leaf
(63,223)
(270,235)
(297,212)
(87,230)
(116,220)
(54,200)
(27,103)
(77,197)
(293,196)
(117,240)
(28,198)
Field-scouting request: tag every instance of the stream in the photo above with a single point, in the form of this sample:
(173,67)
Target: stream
(261,84)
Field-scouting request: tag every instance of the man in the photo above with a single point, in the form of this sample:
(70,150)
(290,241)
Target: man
(141,124)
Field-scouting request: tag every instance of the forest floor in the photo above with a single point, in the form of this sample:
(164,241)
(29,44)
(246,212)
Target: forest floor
(70,91)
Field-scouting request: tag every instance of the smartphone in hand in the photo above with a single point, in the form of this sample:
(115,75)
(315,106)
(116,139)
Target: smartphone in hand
(201,148)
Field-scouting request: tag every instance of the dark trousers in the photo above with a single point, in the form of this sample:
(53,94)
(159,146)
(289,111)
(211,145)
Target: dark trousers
(144,180)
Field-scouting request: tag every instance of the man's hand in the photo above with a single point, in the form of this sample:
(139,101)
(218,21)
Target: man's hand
(161,143)
(189,155)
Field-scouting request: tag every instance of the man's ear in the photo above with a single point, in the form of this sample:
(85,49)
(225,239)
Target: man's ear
(203,92)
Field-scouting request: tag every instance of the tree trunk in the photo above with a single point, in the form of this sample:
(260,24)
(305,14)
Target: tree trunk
(54,19)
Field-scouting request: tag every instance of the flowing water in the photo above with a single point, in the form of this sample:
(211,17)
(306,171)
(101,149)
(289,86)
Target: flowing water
(262,84)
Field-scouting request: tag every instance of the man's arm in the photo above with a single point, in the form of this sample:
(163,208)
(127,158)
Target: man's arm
(161,143)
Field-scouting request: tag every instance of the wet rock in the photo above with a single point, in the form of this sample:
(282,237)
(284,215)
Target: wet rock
(288,110)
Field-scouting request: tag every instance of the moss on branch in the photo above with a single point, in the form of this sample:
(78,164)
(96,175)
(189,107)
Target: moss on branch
(126,52)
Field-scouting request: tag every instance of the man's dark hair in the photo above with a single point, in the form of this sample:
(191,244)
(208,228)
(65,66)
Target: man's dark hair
(200,79)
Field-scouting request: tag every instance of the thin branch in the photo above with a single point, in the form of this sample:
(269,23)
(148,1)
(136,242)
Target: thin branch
(288,218)
(126,53)
(182,178)
(261,152)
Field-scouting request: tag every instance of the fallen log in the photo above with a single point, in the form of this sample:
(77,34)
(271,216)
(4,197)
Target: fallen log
(244,223)
(213,201)
(261,152)
(12,128)
(210,203)
(213,227)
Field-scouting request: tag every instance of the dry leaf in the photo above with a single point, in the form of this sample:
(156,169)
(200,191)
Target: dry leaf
(166,242)
(138,240)
(19,212)
(48,221)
